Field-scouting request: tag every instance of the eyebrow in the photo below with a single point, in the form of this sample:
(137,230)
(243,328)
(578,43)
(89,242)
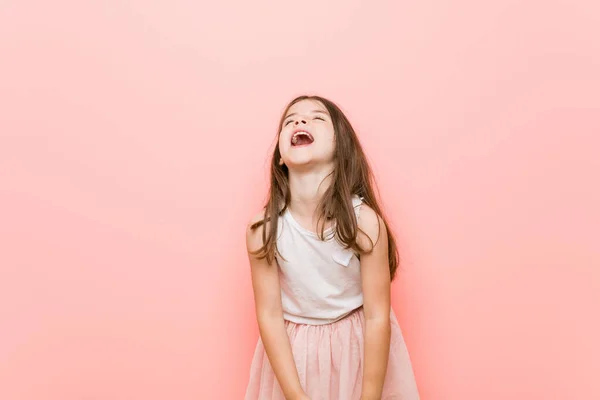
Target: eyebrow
(313,111)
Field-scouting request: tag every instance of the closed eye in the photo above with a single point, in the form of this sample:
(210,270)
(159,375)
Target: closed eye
(321,118)
(287,123)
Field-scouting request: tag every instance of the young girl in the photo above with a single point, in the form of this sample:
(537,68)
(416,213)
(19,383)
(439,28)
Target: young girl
(322,259)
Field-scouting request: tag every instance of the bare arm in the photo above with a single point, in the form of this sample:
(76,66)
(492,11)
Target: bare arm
(376,284)
(269,313)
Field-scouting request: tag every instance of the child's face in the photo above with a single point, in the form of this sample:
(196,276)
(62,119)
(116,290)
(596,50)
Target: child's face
(307,135)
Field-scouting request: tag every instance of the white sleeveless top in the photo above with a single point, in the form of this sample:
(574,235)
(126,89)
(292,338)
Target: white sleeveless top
(320,280)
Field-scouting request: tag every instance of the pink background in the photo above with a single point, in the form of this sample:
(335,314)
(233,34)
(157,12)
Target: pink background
(131,133)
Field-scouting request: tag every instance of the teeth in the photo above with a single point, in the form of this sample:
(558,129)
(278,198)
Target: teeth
(295,136)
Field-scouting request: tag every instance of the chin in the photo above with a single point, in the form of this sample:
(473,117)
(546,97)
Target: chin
(299,163)
(306,164)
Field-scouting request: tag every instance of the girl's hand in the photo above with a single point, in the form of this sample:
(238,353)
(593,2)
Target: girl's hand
(303,396)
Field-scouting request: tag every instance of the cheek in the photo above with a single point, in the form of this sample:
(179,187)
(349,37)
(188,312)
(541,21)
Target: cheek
(329,134)
(281,141)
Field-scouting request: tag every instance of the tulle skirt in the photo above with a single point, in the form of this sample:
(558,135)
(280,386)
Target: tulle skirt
(329,360)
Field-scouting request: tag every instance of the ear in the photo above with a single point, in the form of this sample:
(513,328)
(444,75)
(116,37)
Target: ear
(281,161)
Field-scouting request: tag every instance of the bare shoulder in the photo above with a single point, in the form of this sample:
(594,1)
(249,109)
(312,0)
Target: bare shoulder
(253,232)
(372,228)
(259,216)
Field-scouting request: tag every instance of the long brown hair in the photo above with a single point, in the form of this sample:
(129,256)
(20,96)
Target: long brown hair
(351,176)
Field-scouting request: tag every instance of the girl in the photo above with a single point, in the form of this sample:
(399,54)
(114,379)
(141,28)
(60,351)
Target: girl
(322,259)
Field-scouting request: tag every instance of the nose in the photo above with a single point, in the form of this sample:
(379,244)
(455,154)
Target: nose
(298,121)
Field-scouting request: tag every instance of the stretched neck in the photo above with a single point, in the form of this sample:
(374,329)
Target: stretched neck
(307,188)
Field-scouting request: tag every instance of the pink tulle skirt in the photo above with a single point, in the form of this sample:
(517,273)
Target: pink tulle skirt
(329,360)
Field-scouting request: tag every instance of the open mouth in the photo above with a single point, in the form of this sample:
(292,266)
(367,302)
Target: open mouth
(302,138)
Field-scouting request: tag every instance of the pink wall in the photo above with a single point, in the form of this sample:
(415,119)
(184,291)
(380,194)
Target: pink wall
(130,131)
